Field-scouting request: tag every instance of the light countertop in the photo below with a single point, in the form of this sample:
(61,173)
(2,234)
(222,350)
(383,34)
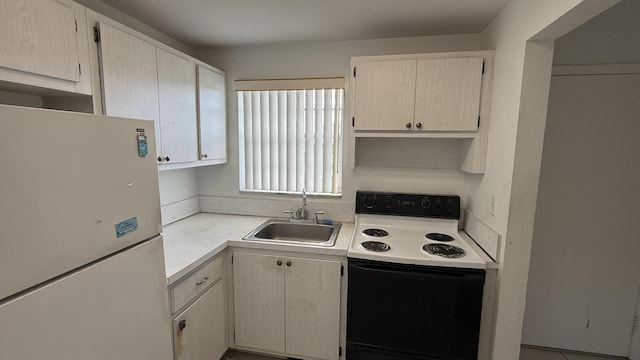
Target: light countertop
(191,242)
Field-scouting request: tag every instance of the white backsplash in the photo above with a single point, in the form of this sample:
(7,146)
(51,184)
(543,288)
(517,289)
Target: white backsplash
(275,208)
(180,210)
(482,234)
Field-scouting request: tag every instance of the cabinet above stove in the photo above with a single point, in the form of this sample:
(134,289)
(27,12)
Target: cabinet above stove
(420,110)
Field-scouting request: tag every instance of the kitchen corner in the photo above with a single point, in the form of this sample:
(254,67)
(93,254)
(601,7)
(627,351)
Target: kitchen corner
(208,300)
(193,241)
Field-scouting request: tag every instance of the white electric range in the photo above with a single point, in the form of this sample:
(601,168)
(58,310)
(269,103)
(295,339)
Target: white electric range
(412,229)
(422,278)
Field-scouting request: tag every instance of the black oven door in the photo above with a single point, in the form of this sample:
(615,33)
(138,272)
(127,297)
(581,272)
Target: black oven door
(397,311)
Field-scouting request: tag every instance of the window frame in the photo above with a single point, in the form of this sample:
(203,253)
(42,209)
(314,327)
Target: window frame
(336,136)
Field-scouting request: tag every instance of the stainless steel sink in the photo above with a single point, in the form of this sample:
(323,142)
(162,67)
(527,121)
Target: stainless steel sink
(296,232)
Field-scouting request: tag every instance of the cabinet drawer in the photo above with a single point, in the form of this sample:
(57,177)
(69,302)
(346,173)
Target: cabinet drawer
(196,283)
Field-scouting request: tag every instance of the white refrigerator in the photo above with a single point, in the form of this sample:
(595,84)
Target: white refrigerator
(81,259)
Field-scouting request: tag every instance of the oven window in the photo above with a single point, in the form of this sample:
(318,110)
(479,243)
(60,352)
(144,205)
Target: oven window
(397,311)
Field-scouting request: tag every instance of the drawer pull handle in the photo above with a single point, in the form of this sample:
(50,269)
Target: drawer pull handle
(204,280)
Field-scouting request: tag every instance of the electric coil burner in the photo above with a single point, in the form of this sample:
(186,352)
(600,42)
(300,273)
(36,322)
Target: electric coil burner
(376,246)
(375,232)
(425,262)
(439,237)
(444,250)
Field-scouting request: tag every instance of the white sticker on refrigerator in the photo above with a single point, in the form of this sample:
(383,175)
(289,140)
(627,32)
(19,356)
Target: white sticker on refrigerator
(126,226)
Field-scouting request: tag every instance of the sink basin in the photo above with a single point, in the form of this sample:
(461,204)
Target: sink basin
(296,232)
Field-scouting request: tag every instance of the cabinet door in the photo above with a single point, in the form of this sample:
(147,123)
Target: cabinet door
(312,296)
(384,95)
(448,93)
(177,97)
(39,37)
(258,290)
(129,77)
(212,115)
(200,331)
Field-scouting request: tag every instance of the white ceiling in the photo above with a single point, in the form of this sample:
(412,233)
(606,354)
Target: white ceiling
(209,23)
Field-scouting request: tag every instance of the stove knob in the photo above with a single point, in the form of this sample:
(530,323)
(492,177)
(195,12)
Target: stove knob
(437,204)
(425,203)
(449,205)
(370,201)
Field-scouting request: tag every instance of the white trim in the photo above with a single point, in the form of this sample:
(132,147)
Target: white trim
(290,84)
(604,69)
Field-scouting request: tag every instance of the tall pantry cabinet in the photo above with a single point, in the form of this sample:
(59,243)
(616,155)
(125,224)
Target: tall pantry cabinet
(140,77)
(140,80)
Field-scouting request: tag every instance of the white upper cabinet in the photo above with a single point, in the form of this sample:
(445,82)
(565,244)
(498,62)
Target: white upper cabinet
(420,94)
(39,36)
(141,80)
(385,94)
(448,94)
(177,98)
(129,77)
(43,44)
(426,111)
(212,116)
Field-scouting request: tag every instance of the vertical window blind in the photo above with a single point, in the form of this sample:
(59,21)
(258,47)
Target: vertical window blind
(290,135)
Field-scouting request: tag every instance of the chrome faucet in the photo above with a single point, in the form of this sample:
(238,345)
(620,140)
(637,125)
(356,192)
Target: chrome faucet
(302,213)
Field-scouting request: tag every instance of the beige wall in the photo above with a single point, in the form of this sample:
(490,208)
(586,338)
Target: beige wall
(177,185)
(135,24)
(317,60)
(587,199)
(592,42)
(521,83)
(515,139)
(588,195)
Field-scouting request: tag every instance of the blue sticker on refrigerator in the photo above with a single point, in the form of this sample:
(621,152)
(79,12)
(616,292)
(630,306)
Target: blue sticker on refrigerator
(141,139)
(126,226)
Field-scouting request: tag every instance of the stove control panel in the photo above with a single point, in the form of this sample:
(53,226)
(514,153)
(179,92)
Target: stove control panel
(384,203)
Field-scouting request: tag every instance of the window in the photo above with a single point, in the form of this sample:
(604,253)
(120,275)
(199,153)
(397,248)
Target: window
(290,135)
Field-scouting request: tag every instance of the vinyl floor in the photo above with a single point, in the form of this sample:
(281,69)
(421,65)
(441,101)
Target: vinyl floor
(533,353)
(526,353)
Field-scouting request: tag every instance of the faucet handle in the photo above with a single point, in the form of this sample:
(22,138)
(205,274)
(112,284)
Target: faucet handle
(315,215)
(290,212)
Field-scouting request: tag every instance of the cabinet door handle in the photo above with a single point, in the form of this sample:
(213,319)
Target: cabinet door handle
(204,280)
(279,262)
(408,125)
(204,156)
(419,125)
(161,159)
(288,263)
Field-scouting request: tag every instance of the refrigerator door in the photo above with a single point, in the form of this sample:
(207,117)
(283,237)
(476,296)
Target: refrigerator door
(113,309)
(73,189)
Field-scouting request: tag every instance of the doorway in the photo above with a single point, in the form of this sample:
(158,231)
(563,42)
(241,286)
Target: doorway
(584,273)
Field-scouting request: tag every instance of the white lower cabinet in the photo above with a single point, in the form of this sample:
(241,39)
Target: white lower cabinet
(287,305)
(199,331)
(199,305)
